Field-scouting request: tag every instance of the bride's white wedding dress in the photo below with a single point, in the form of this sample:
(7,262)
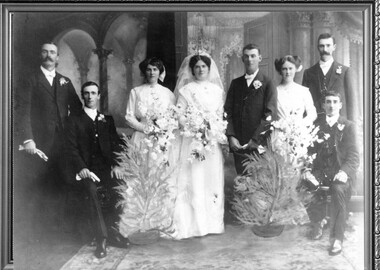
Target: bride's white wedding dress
(199,207)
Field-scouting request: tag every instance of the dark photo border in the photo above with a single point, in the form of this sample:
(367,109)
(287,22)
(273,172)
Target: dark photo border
(371,34)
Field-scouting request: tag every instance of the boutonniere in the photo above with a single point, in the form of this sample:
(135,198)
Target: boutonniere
(101,118)
(257,84)
(62,81)
(340,127)
(339,70)
(340,131)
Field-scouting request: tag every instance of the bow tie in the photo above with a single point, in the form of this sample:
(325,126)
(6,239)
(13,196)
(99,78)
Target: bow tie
(50,74)
(249,76)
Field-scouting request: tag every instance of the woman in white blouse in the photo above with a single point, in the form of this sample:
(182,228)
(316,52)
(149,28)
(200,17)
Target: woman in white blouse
(293,98)
(149,98)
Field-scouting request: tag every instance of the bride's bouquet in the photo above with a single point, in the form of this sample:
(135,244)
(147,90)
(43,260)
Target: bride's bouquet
(161,124)
(205,127)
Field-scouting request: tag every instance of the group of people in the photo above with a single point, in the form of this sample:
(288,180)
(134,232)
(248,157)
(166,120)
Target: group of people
(55,123)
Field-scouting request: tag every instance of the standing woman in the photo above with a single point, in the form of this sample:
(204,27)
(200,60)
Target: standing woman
(147,98)
(293,98)
(199,208)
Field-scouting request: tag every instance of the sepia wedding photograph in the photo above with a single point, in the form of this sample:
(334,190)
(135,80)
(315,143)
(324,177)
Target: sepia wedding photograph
(190,135)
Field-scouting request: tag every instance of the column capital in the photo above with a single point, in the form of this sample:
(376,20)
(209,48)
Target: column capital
(102,53)
(301,19)
(323,18)
(128,61)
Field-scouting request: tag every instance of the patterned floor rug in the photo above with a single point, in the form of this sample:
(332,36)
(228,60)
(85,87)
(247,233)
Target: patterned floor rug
(237,248)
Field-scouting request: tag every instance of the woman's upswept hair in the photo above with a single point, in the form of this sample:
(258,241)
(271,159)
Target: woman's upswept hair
(196,58)
(278,63)
(153,61)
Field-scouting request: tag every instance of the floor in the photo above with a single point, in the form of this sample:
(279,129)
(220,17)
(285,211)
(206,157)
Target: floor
(42,241)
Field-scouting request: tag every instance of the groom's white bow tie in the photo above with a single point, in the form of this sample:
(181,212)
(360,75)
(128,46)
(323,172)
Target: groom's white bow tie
(249,76)
(50,74)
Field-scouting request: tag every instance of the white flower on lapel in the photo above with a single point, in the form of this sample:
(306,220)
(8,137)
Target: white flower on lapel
(101,117)
(340,127)
(257,84)
(339,70)
(62,81)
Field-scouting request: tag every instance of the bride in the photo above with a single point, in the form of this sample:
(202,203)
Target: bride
(199,207)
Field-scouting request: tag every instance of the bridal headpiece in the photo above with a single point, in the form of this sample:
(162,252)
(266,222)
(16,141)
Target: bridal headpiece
(185,75)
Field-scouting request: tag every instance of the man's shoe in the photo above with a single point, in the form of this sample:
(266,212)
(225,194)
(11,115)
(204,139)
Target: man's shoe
(117,240)
(101,246)
(331,241)
(336,248)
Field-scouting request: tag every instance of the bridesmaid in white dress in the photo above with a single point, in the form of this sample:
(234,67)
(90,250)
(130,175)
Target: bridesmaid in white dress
(293,98)
(147,97)
(199,208)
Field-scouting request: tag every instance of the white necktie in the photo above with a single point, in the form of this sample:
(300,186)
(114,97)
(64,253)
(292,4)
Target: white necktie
(330,121)
(325,67)
(50,77)
(249,78)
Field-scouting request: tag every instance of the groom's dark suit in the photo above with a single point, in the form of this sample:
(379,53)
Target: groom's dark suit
(339,79)
(338,153)
(249,110)
(92,145)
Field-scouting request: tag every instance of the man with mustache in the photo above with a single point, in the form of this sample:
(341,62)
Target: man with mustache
(43,104)
(329,75)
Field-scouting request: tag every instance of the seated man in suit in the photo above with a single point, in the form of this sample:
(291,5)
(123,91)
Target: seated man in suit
(335,166)
(92,143)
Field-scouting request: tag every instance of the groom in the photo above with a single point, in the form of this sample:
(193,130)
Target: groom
(92,143)
(251,104)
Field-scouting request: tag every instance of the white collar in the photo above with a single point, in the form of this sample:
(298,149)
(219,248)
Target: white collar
(48,73)
(92,113)
(331,120)
(251,76)
(328,63)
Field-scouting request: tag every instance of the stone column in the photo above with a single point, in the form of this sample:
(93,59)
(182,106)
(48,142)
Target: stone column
(128,61)
(83,69)
(103,76)
(301,44)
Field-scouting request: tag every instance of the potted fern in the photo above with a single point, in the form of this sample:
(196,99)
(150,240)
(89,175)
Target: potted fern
(266,195)
(147,199)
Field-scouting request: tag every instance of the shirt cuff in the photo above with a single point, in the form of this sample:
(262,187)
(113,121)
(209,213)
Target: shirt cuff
(30,140)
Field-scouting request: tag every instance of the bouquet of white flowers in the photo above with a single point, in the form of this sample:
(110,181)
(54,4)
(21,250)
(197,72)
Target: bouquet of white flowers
(161,124)
(291,139)
(205,127)
(268,193)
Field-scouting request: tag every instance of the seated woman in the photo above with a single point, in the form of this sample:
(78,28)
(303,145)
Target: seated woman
(293,98)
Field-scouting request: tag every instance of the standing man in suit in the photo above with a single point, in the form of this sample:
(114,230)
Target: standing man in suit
(43,104)
(327,75)
(92,143)
(335,166)
(251,104)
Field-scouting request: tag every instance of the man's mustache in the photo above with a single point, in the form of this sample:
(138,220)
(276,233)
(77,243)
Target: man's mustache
(48,58)
(325,53)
